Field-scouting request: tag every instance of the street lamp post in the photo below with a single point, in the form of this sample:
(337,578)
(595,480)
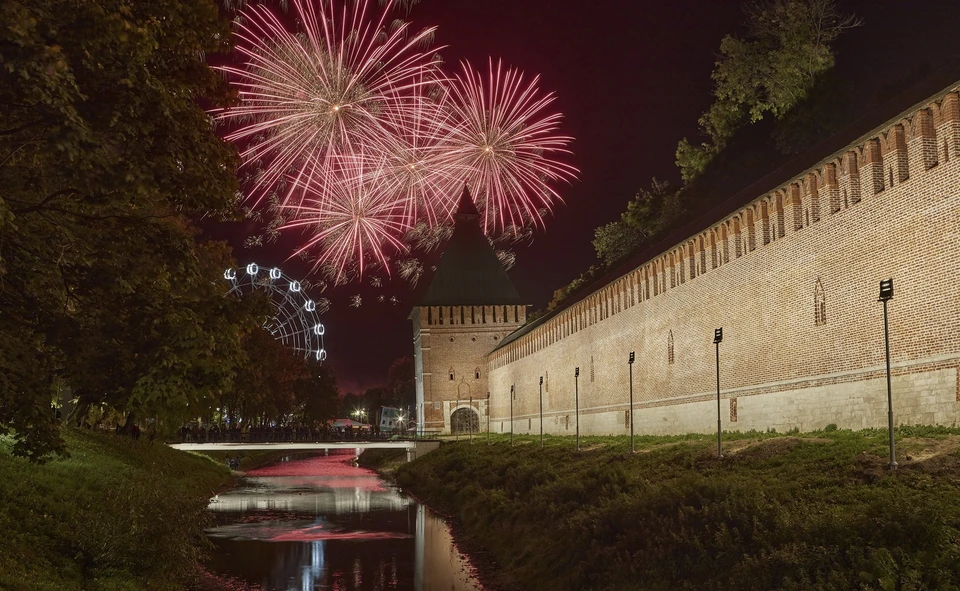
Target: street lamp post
(630,365)
(488,418)
(717,339)
(471,421)
(511,413)
(541,412)
(576,395)
(886,294)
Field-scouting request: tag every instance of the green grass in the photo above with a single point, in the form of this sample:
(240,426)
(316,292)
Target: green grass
(116,515)
(384,461)
(780,511)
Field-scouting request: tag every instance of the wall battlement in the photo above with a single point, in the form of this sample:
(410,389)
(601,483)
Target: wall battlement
(792,278)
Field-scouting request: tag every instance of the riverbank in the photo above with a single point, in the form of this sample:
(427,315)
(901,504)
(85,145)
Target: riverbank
(118,514)
(813,511)
(384,461)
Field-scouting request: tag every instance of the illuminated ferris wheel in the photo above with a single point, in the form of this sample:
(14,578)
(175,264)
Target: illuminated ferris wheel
(297,321)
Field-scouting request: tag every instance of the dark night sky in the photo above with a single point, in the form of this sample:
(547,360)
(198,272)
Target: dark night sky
(631,78)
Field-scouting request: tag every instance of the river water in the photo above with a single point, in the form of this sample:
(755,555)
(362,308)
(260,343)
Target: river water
(324,523)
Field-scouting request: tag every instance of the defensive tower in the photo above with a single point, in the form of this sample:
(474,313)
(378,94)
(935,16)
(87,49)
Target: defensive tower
(469,307)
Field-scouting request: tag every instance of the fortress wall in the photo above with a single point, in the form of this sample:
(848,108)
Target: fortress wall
(793,280)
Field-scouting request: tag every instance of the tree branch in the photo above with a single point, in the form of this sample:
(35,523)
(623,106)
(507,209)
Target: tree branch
(45,200)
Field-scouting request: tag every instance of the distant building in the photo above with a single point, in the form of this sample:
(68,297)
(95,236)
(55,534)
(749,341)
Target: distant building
(469,307)
(390,419)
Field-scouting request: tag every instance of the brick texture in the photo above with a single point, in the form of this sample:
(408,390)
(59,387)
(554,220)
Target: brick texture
(792,356)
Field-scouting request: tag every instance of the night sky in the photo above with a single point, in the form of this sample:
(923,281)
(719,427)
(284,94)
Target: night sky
(631,79)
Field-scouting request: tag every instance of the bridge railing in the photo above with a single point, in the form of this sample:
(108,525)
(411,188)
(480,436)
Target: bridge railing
(282,436)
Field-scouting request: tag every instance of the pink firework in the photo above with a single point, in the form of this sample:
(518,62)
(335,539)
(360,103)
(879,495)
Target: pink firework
(419,166)
(320,95)
(505,146)
(353,223)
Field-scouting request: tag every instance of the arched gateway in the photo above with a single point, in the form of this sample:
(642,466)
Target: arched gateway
(465,420)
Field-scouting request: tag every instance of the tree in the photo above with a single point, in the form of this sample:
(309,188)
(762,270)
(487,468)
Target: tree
(105,156)
(771,69)
(647,215)
(401,381)
(318,394)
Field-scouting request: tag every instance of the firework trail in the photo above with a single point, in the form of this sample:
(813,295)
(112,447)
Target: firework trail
(351,221)
(505,145)
(322,94)
(354,135)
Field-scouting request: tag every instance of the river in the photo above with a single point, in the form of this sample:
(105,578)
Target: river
(324,523)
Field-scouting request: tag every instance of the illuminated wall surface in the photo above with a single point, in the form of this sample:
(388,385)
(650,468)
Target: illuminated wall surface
(793,278)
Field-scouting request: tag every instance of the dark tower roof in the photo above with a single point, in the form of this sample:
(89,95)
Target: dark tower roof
(469,273)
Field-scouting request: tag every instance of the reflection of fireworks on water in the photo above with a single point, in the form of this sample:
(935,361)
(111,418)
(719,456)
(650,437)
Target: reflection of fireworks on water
(351,130)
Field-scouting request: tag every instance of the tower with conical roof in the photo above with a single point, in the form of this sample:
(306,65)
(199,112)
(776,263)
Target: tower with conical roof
(469,307)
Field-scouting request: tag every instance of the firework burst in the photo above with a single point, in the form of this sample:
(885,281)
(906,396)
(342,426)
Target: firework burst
(506,145)
(350,132)
(322,94)
(352,222)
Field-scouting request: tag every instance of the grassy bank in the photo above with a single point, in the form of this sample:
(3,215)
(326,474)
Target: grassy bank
(812,511)
(254,458)
(116,515)
(384,461)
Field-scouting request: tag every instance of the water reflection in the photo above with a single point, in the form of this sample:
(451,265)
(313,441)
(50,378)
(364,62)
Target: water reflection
(323,523)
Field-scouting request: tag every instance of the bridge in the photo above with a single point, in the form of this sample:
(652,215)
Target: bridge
(415,448)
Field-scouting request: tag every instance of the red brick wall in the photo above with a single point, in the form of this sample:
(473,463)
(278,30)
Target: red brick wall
(886,206)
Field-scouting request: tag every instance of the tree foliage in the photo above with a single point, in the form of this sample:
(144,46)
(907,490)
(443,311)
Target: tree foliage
(648,214)
(772,75)
(769,70)
(105,158)
(277,386)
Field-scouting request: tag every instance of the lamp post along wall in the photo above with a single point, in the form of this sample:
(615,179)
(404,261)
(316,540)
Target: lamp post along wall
(717,339)
(511,413)
(630,365)
(576,396)
(488,418)
(541,412)
(886,294)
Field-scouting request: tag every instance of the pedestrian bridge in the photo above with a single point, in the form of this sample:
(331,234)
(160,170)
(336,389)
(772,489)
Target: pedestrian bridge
(415,448)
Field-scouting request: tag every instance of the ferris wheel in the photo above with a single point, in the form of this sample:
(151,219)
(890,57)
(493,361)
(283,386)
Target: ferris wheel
(297,321)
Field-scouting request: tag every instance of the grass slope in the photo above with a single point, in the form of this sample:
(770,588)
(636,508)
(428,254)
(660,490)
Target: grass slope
(817,511)
(116,515)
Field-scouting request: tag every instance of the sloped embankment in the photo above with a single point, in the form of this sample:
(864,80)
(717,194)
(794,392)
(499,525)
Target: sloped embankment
(817,511)
(117,514)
